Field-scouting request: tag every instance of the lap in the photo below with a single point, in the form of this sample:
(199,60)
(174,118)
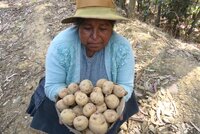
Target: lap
(44,114)
(47,120)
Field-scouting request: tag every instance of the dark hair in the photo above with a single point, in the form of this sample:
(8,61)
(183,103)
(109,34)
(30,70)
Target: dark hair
(79,21)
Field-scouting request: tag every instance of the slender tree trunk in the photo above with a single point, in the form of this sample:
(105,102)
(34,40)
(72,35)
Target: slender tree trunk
(122,4)
(146,10)
(195,17)
(131,8)
(175,29)
(157,22)
(139,6)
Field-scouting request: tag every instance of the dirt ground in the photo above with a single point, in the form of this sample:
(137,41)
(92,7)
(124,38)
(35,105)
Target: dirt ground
(167,70)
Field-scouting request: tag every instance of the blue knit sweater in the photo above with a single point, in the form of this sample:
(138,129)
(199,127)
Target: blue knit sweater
(63,62)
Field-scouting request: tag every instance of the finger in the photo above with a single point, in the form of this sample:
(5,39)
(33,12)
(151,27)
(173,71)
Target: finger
(60,122)
(121,117)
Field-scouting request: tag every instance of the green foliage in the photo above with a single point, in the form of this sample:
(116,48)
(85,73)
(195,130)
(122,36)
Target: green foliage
(180,17)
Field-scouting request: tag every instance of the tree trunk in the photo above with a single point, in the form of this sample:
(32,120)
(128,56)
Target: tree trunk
(131,8)
(195,17)
(139,5)
(175,29)
(157,22)
(122,4)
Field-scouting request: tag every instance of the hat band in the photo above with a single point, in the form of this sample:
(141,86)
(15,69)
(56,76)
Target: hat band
(94,3)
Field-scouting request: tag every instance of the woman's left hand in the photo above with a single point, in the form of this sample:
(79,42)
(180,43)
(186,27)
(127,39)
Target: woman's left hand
(121,117)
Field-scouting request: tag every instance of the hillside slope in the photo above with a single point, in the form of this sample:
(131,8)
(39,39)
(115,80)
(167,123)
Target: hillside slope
(167,70)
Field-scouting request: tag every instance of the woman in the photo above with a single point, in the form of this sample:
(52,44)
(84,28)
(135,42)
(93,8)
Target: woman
(90,49)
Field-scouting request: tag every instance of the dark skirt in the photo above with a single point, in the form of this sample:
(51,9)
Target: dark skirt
(45,117)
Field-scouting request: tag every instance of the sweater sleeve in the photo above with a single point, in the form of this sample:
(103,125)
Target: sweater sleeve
(125,65)
(55,73)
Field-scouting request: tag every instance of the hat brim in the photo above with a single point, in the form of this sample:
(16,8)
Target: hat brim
(95,13)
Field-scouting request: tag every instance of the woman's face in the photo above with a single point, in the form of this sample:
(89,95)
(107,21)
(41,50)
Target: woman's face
(95,34)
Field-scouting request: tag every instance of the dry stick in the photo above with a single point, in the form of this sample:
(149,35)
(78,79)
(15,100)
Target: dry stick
(8,77)
(9,122)
(173,103)
(136,119)
(143,112)
(195,126)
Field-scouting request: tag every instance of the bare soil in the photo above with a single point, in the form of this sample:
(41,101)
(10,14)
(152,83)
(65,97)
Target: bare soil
(167,70)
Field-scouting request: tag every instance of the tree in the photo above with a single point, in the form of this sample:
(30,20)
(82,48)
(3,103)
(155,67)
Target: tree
(131,8)
(157,21)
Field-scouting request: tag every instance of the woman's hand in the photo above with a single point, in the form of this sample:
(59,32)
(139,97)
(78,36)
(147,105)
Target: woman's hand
(121,117)
(120,108)
(60,122)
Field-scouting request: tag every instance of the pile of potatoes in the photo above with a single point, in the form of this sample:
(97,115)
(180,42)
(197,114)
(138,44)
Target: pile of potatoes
(90,109)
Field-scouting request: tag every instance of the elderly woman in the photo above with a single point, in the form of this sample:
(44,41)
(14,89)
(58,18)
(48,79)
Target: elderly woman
(89,49)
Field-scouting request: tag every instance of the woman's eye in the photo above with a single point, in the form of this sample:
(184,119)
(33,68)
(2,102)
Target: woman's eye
(87,28)
(103,29)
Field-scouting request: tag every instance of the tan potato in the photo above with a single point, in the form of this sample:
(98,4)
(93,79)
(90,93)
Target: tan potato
(87,131)
(72,88)
(97,97)
(100,82)
(89,109)
(97,89)
(77,92)
(67,116)
(98,124)
(80,123)
(81,98)
(112,101)
(60,105)
(63,93)
(86,86)
(69,100)
(119,91)
(107,87)
(101,108)
(110,115)
(78,110)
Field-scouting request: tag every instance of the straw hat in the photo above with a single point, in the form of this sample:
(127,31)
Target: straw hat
(95,9)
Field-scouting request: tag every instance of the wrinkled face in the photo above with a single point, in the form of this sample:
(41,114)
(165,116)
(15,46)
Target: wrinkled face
(95,34)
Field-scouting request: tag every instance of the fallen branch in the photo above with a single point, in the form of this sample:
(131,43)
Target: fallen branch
(10,121)
(136,119)
(195,126)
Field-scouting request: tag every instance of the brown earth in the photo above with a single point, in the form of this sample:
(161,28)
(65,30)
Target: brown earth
(167,70)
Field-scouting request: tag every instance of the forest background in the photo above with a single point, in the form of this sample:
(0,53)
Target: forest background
(179,18)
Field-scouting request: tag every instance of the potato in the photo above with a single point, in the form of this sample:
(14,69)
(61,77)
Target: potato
(97,89)
(112,101)
(63,93)
(97,123)
(97,97)
(72,88)
(69,100)
(89,109)
(67,116)
(100,82)
(81,98)
(119,91)
(78,110)
(80,123)
(87,131)
(86,86)
(101,108)
(77,92)
(60,105)
(107,87)
(110,115)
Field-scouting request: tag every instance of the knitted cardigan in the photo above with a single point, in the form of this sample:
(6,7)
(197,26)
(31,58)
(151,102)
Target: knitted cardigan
(62,65)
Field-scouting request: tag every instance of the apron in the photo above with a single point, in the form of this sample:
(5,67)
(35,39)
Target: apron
(45,117)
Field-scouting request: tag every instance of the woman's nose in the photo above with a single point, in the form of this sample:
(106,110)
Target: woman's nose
(94,34)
